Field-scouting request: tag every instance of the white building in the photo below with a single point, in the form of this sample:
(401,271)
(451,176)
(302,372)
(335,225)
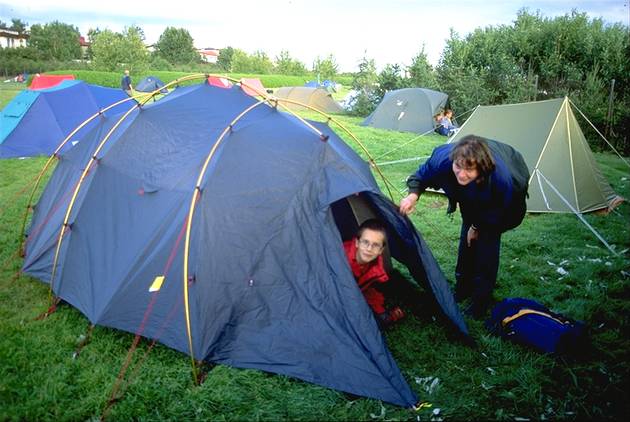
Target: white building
(209,55)
(12,39)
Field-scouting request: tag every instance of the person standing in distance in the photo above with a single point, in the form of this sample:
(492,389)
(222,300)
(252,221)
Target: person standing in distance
(125,83)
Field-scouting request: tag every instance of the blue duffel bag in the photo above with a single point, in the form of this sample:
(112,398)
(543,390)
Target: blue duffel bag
(532,324)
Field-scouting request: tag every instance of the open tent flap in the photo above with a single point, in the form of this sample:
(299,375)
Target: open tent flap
(404,244)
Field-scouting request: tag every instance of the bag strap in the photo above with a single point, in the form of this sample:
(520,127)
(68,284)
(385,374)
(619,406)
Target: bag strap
(524,312)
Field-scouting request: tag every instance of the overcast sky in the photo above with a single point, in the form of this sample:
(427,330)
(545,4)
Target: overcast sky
(388,31)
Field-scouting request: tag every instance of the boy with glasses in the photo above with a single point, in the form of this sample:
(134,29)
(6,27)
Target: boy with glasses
(365,256)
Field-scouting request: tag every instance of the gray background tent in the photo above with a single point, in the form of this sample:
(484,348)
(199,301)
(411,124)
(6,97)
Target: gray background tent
(557,154)
(407,110)
(266,263)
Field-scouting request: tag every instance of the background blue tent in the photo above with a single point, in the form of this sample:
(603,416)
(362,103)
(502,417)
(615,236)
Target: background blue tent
(268,280)
(328,85)
(150,84)
(36,122)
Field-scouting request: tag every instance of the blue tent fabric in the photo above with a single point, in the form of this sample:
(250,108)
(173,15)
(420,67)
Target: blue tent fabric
(150,84)
(327,84)
(36,122)
(266,262)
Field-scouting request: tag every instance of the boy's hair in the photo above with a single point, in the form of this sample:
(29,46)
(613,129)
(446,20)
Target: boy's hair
(372,224)
(472,152)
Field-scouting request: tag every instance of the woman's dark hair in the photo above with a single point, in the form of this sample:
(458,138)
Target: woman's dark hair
(472,152)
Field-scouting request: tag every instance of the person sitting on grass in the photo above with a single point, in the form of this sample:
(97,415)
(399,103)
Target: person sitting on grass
(447,128)
(365,256)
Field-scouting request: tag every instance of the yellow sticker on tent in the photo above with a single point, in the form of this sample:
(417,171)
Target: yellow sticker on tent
(157,283)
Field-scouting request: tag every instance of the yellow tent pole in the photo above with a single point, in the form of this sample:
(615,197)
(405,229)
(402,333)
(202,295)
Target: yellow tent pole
(191,211)
(76,192)
(371,160)
(88,167)
(197,193)
(52,157)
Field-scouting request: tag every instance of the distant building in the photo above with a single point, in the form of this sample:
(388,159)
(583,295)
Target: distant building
(84,46)
(209,55)
(12,39)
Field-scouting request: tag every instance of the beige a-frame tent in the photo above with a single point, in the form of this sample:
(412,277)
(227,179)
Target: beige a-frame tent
(314,97)
(564,174)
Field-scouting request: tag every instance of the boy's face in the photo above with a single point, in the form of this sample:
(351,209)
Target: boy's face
(369,246)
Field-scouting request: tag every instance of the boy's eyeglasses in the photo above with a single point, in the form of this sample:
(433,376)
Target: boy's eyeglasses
(366,244)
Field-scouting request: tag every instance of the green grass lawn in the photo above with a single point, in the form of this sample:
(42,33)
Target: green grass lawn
(42,379)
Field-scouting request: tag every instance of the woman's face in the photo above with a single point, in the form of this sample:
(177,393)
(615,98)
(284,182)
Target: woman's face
(464,175)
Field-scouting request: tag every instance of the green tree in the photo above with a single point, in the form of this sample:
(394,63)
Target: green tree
(325,68)
(56,40)
(3,25)
(260,63)
(114,51)
(176,46)
(286,65)
(241,62)
(225,58)
(389,79)
(18,26)
(421,73)
(538,58)
(364,84)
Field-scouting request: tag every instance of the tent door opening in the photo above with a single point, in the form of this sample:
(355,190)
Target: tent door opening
(349,213)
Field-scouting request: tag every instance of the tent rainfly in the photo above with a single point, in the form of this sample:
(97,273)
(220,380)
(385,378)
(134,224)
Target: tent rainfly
(564,174)
(319,98)
(407,110)
(213,223)
(36,122)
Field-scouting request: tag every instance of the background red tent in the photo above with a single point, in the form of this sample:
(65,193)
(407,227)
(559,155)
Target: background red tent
(220,82)
(47,81)
(252,86)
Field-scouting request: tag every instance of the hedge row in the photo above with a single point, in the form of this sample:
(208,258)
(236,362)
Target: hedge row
(112,79)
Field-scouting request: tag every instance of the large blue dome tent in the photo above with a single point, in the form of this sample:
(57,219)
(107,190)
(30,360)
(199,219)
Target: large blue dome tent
(213,222)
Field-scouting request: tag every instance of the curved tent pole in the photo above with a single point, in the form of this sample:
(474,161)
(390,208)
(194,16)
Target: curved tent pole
(188,224)
(144,96)
(52,157)
(371,159)
(197,193)
(88,167)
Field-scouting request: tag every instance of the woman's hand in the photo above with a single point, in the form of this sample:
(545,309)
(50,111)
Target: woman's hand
(408,204)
